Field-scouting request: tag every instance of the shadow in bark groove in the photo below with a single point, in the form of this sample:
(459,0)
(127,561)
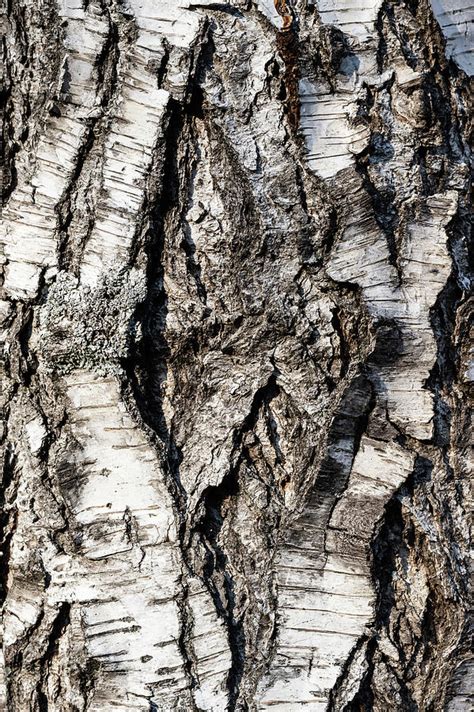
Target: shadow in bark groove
(58,629)
(7,519)
(390,548)
(147,367)
(443,320)
(209,528)
(288,47)
(349,424)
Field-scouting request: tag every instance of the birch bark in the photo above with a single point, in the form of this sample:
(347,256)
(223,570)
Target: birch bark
(235,321)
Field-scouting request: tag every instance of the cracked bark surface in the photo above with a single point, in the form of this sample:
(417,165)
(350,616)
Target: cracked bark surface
(236,385)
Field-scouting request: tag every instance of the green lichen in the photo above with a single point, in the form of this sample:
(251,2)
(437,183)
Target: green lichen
(83,327)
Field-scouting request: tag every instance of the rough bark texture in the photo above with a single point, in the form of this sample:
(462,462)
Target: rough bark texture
(235,378)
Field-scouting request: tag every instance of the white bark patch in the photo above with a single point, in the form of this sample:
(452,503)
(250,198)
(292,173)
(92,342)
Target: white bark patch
(267,7)
(169,19)
(128,536)
(362,257)
(211,650)
(127,158)
(36,434)
(351,16)
(28,228)
(325,605)
(333,134)
(331,140)
(456,19)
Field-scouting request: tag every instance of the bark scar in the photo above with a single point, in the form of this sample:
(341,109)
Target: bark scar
(286,11)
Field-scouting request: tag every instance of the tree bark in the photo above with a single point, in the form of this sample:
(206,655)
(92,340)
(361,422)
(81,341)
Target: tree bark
(235,376)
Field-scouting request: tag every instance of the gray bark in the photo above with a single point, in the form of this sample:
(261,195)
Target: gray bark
(235,376)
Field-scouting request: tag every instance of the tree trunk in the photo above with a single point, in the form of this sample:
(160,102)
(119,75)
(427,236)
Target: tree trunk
(235,375)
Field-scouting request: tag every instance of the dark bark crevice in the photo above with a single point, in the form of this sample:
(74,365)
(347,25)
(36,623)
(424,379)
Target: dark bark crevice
(107,64)
(58,629)
(216,571)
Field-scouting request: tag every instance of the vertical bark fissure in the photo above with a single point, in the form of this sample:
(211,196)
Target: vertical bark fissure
(107,64)
(58,629)
(209,528)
